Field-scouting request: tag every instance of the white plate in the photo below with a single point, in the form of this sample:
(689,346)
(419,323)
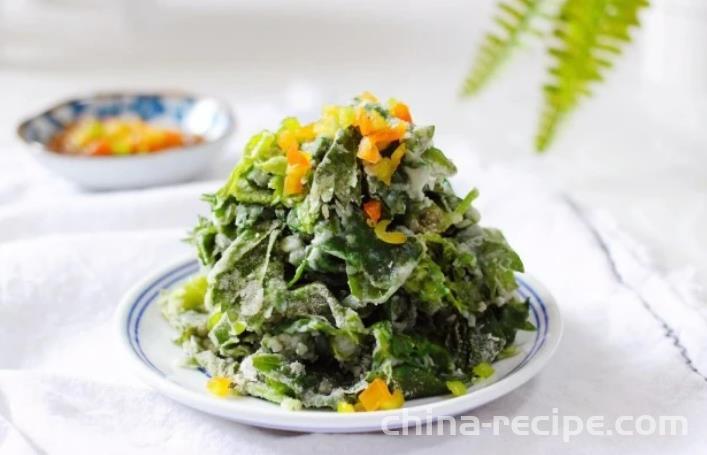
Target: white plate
(147,339)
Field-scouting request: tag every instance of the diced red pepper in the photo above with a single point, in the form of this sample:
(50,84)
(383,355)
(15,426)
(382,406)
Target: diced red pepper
(373,210)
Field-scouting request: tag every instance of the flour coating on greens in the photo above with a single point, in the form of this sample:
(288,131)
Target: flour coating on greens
(336,255)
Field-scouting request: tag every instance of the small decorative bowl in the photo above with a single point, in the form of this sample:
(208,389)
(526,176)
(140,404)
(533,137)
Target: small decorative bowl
(206,117)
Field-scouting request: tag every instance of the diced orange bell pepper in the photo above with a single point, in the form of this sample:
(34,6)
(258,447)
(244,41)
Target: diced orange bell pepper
(368,151)
(299,163)
(373,209)
(400,110)
(362,121)
(172,139)
(298,157)
(100,148)
(374,395)
(383,138)
(293,179)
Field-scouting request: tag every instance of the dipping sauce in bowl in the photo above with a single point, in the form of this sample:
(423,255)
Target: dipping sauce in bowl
(126,140)
(118,136)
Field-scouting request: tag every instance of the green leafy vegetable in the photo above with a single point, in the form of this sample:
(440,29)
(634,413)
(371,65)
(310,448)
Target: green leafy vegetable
(457,388)
(304,303)
(483,370)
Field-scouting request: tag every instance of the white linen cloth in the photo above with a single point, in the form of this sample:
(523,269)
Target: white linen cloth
(635,341)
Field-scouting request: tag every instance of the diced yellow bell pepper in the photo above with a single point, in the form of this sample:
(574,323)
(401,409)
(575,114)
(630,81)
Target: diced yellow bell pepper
(367,151)
(333,119)
(344,407)
(386,167)
(294,179)
(368,96)
(330,110)
(398,155)
(369,121)
(376,393)
(381,170)
(125,146)
(290,123)
(346,116)
(306,133)
(396,401)
(219,386)
(287,141)
(326,126)
(395,237)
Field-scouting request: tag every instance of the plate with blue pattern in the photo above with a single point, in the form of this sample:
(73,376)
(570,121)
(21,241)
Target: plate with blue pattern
(203,116)
(146,339)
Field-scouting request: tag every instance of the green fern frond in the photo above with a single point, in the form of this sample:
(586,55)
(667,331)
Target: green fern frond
(515,19)
(590,34)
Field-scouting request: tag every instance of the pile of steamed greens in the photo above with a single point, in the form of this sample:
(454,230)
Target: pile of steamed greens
(340,269)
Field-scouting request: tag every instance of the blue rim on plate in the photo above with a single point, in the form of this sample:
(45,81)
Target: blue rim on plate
(132,322)
(149,296)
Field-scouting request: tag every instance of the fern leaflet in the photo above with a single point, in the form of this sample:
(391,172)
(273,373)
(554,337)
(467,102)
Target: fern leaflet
(515,19)
(590,33)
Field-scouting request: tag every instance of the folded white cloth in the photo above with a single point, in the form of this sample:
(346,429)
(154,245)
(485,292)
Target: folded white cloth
(635,341)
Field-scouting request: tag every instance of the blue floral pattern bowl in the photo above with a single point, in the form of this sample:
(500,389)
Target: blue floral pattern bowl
(206,117)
